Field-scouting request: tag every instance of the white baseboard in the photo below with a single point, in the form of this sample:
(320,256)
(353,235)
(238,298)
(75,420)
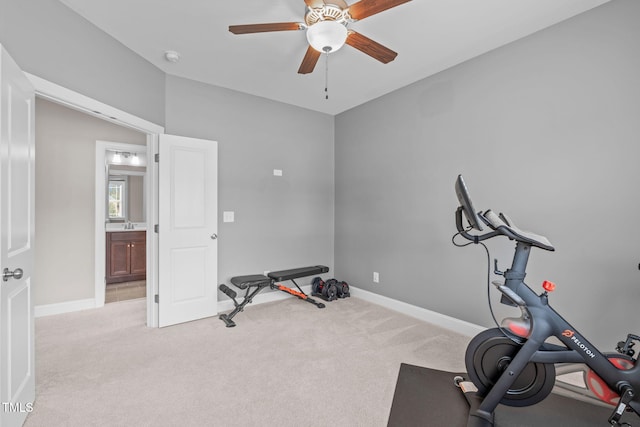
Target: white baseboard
(442,320)
(64,307)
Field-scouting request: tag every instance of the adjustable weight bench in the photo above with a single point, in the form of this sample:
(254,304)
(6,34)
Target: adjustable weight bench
(255,283)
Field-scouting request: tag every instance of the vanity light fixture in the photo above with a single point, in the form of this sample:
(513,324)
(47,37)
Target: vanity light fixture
(126,157)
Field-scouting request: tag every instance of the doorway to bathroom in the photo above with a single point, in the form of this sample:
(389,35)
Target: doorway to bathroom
(65,204)
(121,221)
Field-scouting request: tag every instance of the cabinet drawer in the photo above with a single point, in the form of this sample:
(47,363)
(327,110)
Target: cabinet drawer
(128,236)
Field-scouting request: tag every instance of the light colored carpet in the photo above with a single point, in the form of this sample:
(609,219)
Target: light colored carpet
(287,363)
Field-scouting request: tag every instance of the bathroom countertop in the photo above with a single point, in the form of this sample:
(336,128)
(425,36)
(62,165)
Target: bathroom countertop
(117,228)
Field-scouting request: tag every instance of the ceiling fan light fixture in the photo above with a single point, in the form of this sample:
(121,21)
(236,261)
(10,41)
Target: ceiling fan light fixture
(327,36)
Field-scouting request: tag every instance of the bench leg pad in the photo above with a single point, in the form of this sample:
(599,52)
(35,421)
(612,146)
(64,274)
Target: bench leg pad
(225,318)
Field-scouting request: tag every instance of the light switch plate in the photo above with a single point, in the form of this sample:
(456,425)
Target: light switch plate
(228,216)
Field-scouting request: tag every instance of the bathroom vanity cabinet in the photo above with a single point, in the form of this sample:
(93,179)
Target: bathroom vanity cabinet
(126,256)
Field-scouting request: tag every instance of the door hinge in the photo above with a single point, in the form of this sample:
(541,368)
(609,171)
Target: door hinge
(157,157)
(156,228)
(156,298)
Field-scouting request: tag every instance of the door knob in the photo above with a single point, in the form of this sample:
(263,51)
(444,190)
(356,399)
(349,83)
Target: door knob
(214,236)
(7,274)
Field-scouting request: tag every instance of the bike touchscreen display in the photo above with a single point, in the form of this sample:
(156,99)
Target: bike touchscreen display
(465,203)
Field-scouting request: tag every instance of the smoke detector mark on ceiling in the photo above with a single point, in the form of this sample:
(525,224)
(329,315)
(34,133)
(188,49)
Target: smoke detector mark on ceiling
(172,56)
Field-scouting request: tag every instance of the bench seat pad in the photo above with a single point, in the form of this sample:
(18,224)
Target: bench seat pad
(243,282)
(294,273)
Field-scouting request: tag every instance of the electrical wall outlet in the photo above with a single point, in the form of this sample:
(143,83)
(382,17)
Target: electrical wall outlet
(376,277)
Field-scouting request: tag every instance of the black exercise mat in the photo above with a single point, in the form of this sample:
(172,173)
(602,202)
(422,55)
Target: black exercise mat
(427,397)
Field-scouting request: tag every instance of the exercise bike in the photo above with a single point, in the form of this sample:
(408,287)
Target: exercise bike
(513,364)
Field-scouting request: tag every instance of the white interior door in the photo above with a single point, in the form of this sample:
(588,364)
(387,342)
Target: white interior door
(188,226)
(17,162)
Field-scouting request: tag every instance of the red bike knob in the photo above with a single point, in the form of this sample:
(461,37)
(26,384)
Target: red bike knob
(548,286)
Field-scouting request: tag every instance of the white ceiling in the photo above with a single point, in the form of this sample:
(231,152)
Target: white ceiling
(429,36)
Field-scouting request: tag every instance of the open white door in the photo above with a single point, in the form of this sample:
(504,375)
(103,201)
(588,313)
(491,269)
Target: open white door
(188,226)
(17,162)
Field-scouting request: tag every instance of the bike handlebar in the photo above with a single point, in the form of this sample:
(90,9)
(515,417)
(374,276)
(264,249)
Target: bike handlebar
(500,225)
(464,232)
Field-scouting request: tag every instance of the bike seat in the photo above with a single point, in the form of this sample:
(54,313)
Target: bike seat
(504,225)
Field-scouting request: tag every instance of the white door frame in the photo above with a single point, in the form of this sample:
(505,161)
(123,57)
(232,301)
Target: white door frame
(61,95)
(101,208)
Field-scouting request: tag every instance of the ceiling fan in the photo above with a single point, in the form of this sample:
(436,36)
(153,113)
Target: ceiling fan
(326,23)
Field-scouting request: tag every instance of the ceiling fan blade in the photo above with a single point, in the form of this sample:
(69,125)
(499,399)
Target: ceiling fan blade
(309,61)
(314,3)
(365,8)
(264,28)
(370,47)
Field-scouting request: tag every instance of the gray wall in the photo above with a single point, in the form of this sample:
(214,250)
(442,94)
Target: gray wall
(49,40)
(546,130)
(280,222)
(65,200)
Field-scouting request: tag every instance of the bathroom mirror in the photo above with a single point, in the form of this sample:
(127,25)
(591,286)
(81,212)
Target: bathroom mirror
(125,195)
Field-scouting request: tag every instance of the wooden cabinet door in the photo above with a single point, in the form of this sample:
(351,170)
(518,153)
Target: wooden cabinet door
(138,257)
(119,259)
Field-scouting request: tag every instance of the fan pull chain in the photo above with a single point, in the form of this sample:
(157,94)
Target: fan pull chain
(326,73)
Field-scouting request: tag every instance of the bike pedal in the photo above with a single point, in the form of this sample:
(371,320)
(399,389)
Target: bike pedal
(468,387)
(625,398)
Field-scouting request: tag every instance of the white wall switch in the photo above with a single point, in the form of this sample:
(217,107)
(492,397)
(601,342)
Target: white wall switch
(376,277)
(277,172)
(228,216)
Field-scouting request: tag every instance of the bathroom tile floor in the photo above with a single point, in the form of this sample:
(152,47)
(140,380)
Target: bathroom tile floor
(125,291)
